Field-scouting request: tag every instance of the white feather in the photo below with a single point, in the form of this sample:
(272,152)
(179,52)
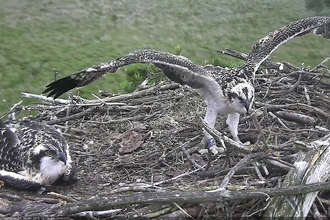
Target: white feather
(50,170)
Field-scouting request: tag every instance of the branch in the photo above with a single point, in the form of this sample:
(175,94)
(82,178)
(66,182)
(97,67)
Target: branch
(72,117)
(45,98)
(105,202)
(137,94)
(311,167)
(266,64)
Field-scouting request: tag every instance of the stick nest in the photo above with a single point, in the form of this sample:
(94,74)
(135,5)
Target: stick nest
(149,140)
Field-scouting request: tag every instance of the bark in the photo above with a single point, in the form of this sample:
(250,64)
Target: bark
(311,167)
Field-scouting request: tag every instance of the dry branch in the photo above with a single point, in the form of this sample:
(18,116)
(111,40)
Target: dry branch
(138,94)
(312,167)
(105,202)
(266,64)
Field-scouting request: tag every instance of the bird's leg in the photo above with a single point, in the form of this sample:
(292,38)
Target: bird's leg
(210,118)
(232,122)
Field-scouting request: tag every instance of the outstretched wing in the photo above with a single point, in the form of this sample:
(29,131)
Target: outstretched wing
(177,68)
(265,46)
(10,152)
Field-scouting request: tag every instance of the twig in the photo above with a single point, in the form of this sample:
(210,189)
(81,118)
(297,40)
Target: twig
(296,117)
(13,110)
(266,64)
(243,162)
(177,177)
(192,161)
(229,142)
(136,187)
(71,129)
(279,163)
(45,200)
(55,73)
(278,120)
(295,85)
(98,214)
(316,213)
(256,168)
(182,210)
(72,117)
(138,93)
(308,99)
(320,65)
(45,98)
(119,121)
(256,123)
(10,197)
(60,196)
(297,106)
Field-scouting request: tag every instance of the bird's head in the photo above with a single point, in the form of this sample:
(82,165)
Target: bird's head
(241,96)
(51,152)
(50,160)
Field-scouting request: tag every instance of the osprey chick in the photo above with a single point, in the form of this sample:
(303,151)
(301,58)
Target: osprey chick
(33,155)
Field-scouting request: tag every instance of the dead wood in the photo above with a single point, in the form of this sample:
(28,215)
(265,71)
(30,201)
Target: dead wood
(281,164)
(311,167)
(110,201)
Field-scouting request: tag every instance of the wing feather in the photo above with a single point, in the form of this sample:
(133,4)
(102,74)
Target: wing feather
(177,68)
(10,152)
(265,46)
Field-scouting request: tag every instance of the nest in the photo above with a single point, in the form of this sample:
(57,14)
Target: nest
(137,155)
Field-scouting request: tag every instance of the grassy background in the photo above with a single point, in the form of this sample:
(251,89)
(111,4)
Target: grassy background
(72,35)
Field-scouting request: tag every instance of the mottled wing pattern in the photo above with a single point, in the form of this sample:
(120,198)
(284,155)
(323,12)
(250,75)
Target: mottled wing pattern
(18,141)
(10,150)
(265,46)
(323,31)
(32,133)
(12,160)
(178,68)
(185,76)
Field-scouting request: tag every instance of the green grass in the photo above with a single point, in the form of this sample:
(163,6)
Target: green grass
(72,35)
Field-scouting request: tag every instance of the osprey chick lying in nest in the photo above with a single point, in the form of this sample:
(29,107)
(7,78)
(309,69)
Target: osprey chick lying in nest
(33,155)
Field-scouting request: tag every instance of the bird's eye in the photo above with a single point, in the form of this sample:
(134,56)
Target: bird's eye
(48,152)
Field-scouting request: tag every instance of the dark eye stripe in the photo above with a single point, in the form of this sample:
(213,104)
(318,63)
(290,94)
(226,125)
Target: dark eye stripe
(245,91)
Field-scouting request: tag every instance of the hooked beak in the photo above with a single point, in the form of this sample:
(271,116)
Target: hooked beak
(61,157)
(246,104)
